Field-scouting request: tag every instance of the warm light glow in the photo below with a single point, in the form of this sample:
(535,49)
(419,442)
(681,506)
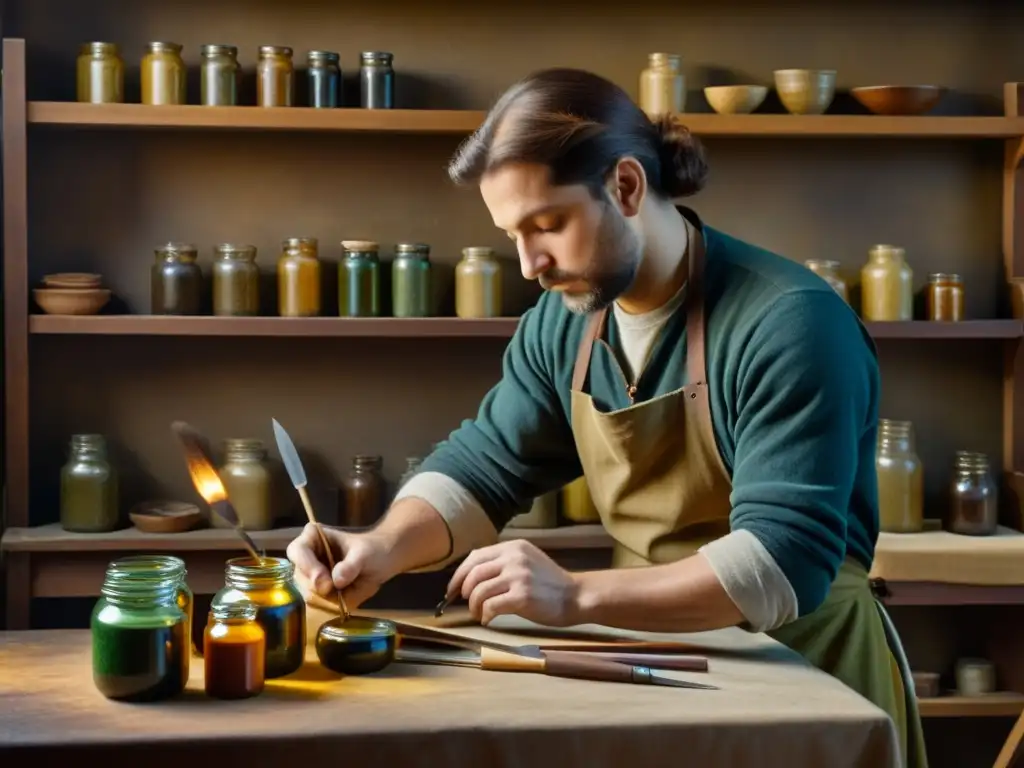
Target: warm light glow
(206,480)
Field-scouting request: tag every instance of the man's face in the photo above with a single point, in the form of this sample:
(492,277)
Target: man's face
(571,243)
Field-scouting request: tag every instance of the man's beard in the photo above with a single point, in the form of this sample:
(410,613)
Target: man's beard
(616,262)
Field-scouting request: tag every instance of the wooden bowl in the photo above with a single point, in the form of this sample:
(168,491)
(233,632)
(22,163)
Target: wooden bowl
(735,99)
(899,99)
(165,516)
(806,91)
(76,280)
(71,301)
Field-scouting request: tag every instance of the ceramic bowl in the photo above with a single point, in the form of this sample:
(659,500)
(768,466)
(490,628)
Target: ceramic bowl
(76,280)
(165,516)
(735,99)
(358,646)
(71,301)
(899,99)
(806,91)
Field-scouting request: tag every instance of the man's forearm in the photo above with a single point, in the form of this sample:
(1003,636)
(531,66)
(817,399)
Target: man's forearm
(414,534)
(679,597)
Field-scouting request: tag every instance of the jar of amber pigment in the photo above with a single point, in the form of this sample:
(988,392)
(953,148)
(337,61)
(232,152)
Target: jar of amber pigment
(298,278)
(100,71)
(176,283)
(236,280)
(140,648)
(234,647)
(89,499)
(478,283)
(160,567)
(163,75)
(269,583)
(829,272)
(900,478)
(275,77)
(945,297)
(248,483)
(364,492)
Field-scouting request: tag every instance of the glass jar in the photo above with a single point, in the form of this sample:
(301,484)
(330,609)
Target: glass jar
(829,272)
(364,492)
(900,478)
(247,481)
(234,650)
(298,278)
(100,71)
(275,76)
(140,649)
(163,75)
(236,280)
(412,466)
(269,583)
(887,292)
(945,297)
(177,281)
(974,496)
(323,75)
(219,76)
(359,280)
(577,504)
(160,567)
(662,85)
(543,513)
(376,80)
(478,283)
(89,488)
(410,280)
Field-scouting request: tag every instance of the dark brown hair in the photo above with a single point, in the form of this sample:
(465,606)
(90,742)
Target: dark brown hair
(580,125)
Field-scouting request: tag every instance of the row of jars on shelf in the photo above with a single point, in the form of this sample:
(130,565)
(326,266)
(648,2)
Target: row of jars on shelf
(177,283)
(100,76)
(973,495)
(256,628)
(887,287)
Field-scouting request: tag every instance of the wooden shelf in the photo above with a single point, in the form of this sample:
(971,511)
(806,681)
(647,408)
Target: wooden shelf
(992,705)
(499,327)
(436,121)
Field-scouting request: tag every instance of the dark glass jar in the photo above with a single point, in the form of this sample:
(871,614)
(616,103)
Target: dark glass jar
(247,481)
(298,278)
(177,281)
(236,280)
(974,496)
(140,648)
(219,76)
(280,609)
(323,74)
(364,492)
(89,488)
(410,280)
(945,297)
(234,650)
(359,280)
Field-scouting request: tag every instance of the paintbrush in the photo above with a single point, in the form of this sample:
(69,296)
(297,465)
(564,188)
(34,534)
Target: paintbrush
(297,474)
(208,482)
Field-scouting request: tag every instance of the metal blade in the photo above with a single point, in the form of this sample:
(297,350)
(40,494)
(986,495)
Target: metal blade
(643,676)
(289,456)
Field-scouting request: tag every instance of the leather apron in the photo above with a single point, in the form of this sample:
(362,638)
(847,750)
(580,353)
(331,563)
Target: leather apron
(662,490)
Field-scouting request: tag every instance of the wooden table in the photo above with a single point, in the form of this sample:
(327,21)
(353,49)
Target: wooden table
(772,709)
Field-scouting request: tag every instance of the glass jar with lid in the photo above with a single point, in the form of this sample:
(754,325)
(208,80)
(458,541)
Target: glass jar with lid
(887,292)
(478,284)
(177,281)
(829,272)
(945,297)
(662,85)
(359,279)
(100,74)
(974,496)
(140,644)
(376,80)
(410,280)
(269,583)
(364,492)
(900,478)
(236,280)
(298,278)
(219,76)
(234,651)
(323,75)
(163,74)
(89,500)
(247,481)
(275,76)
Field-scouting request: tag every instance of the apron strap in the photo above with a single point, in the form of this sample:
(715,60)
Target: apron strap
(593,331)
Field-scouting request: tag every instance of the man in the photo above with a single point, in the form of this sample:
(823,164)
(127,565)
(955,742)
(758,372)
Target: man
(721,401)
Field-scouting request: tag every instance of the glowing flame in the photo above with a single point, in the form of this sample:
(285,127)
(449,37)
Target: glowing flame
(206,480)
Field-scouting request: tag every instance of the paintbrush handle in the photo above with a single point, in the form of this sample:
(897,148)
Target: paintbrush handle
(557,664)
(308,506)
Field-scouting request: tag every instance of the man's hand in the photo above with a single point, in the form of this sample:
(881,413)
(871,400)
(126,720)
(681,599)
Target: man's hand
(515,577)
